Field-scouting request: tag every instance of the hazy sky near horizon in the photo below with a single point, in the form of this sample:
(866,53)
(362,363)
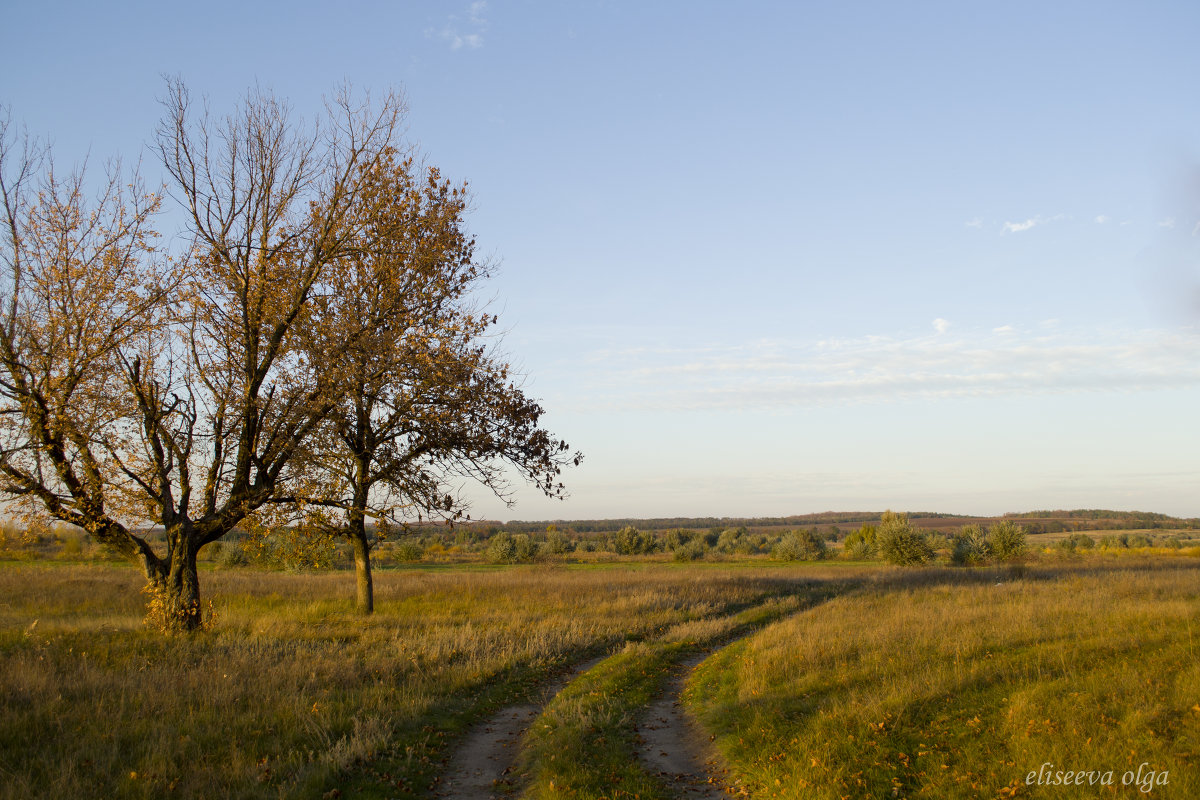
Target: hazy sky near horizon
(764,258)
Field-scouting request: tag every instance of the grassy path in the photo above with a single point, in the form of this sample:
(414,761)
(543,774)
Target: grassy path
(586,744)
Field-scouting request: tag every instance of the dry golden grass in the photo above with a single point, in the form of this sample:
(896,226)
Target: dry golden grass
(291,694)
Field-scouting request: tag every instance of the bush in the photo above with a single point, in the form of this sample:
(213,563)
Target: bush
(230,554)
(901,543)
(1122,541)
(292,550)
(861,544)
(525,548)
(673,540)
(801,545)
(730,539)
(501,549)
(408,552)
(556,543)
(632,542)
(1082,541)
(71,545)
(1076,541)
(1006,540)
(970,547)
(694,550)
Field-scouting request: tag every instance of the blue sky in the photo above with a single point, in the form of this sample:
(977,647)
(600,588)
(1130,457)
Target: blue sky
(765,258)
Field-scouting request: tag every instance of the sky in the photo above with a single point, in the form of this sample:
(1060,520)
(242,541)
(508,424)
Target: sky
(760,258)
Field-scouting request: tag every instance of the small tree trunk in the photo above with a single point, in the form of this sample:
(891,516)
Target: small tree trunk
(362,569)
(356,518)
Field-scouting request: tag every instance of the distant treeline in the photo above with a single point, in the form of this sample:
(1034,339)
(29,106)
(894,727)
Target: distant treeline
(827,522)
(1100,513)
(1035,521)
(670,523)
(1096,519)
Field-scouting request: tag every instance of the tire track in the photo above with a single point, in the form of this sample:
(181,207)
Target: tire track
(481,766)
(672,745)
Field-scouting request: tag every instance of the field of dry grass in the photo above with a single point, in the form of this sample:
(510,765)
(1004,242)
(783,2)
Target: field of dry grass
(291,694)
(929,682)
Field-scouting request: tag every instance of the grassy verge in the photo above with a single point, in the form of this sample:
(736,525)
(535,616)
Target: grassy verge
(963,685)
(291,694)
(582,746)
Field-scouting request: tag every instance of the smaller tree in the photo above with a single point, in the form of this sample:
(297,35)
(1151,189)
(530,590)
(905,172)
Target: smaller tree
(1006,541)
(426,404)
(901,543)
(970,547)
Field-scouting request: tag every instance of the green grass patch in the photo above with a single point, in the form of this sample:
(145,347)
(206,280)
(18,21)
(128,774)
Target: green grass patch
(941,685)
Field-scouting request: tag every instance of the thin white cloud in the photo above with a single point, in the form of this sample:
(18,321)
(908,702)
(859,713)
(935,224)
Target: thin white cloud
(1103,219)
(1032,222)
(974,223)
(1005,361)
(941,325)
(1017,227)
(1169,222)
(468,33)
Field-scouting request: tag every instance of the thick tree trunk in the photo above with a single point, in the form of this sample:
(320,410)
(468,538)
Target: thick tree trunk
(362,568)
(174,605)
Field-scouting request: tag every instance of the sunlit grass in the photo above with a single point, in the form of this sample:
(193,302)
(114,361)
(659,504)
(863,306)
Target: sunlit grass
(291,693)
(948,684)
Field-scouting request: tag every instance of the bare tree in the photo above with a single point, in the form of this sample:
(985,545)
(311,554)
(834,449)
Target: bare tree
(175,392)
(82,285)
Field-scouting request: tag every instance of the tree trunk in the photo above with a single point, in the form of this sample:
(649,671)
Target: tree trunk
(174,605)
(362,567)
